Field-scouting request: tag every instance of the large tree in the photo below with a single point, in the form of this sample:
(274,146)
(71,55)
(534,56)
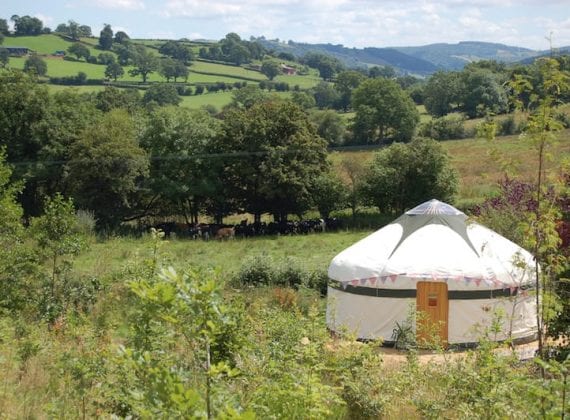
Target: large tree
(442,93)
(271,69)
(403,175)
(269,155)
(144,62)
(162,94)
(36,65)
(345,83)
(107,167)
(106,37)
(383,111)
(79,50)
(483,93)
(181,179)
(114,71)
(27,25)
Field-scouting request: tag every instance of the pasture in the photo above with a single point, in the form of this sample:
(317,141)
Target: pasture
(217,99)
(478,169)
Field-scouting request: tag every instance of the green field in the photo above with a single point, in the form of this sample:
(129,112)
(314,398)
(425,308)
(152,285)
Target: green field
(217,99)
(478,171)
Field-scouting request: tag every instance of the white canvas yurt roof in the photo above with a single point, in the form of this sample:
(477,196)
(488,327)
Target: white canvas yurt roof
(374,281)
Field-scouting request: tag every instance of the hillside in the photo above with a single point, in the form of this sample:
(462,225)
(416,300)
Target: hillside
(422,60)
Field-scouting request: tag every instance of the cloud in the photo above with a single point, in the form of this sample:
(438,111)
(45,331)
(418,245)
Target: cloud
(120,4)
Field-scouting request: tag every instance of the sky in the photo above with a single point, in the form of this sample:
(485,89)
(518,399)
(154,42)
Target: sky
(353,23)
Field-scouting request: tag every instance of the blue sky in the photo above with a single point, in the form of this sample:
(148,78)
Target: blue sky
(356,23)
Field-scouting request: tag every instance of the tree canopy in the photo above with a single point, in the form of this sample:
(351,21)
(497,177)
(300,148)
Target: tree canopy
(383,111)
(403,175)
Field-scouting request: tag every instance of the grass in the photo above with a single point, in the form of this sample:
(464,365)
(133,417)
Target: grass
(217,99)
(45,44)
(312,252)
(478,170)
(229,71)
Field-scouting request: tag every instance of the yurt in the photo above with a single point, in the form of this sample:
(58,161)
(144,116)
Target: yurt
(460,275)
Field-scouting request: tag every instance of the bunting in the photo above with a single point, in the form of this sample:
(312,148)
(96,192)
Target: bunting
(468,280)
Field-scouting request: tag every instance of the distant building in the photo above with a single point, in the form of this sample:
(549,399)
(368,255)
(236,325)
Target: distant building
(288,70)
(18,51)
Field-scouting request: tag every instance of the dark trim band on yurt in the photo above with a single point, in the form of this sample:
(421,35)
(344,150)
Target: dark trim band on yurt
(411,293)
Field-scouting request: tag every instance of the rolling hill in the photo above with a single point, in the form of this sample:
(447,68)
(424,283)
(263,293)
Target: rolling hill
(419,60)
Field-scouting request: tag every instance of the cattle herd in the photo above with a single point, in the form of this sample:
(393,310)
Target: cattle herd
(246,230)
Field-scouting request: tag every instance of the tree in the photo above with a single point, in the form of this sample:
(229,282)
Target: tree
(173,69)
(383,110)
(4,30)
(114,71)
(162,94)
(85,31)
(328,194)
(4,57)
(326,96)
(270,69)
(483,93)
(113,98)
(106,37)
(176,139)
(18,262)
(269,155)
(57,236)
(23,105)
(353,170)
(442,92)
(345,83)
(330,126)
(106,167)
(386,72)
(121,37)
(248,96)
(79,50)
(106,58)
(36,65)
(403,175)
(177,51)
(304,99)
(27,25)
(144,62)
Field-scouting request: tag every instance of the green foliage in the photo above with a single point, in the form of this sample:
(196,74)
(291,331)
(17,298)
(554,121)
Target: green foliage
(144,62)
(161,94)
(4,57)
(403,175)
(79,50)
(247,96)
(271,154)
(345,83)
(441,93)
(330,126)
(34,64)
(328,194)
(114,71)
(57,237)
(443,128)
(106,164)
(271,69)
(106,37)
(383,110)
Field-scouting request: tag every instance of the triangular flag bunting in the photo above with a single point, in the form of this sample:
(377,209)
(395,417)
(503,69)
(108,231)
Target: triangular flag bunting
(468,279)
(372,281)
(383,279)
(477,282)
(354,282)
(363,282)
(393,277)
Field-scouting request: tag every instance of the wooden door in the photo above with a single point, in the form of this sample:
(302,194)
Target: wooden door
(432,307)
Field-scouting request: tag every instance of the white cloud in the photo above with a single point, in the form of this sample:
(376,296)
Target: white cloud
(121,4)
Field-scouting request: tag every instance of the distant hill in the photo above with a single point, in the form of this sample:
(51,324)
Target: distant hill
(422,60)
(456,56)
(546,53)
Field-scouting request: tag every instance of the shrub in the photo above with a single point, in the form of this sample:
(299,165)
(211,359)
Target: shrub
(92,59)
(444,128)
(256,271)
(507,126)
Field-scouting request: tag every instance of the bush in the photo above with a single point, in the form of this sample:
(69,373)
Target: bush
(507,126)
(256,271)
(92,59)
(444,128)
(199,90)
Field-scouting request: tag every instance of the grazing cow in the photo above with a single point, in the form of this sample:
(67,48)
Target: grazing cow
(225,233)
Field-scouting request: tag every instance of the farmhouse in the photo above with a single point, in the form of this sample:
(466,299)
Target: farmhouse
(18,51)
(288,70)
(459,275)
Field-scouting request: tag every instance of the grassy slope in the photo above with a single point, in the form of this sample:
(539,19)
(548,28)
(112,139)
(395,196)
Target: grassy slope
(478,170)
(217,99)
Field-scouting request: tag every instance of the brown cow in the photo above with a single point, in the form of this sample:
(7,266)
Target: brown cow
(225,233)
